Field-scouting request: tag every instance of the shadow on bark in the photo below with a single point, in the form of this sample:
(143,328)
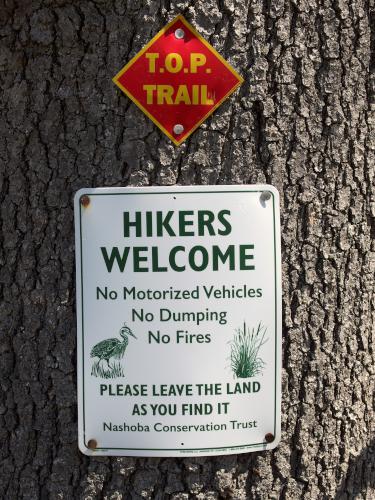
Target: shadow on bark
(360,476)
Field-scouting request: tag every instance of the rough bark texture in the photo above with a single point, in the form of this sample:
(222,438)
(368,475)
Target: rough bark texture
(301,121)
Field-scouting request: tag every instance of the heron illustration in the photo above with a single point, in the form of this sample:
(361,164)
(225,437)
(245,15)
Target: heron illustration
(112,348)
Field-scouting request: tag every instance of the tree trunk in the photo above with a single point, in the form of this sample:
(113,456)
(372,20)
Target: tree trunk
(301,121)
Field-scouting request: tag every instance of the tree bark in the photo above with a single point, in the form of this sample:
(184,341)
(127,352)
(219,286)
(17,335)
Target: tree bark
(302,121)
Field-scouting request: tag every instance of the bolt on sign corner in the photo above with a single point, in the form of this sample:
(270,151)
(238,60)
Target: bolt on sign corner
(179,320)
(178,79)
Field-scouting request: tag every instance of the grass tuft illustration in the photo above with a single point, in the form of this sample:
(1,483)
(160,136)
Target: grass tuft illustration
(114,371)
(244,353)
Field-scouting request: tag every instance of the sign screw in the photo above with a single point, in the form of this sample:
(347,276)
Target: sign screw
(179,33)
(266,195)
(92,444)
(85,200)
(269,437)
(178,129)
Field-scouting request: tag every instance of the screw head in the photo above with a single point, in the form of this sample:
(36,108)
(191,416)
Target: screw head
(179,33)
(85,200)
(92,444)
(265,196)
(269,437)
(178,129)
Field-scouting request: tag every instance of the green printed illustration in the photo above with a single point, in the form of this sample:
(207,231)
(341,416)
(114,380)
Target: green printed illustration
(244,351)
(111,349)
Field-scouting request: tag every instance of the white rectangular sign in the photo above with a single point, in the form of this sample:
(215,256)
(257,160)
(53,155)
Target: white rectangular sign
(179,320)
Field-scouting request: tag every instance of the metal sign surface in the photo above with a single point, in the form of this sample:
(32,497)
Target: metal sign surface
(178,79)
(179,320)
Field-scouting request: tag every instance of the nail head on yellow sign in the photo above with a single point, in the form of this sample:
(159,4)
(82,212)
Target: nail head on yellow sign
(178,79)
